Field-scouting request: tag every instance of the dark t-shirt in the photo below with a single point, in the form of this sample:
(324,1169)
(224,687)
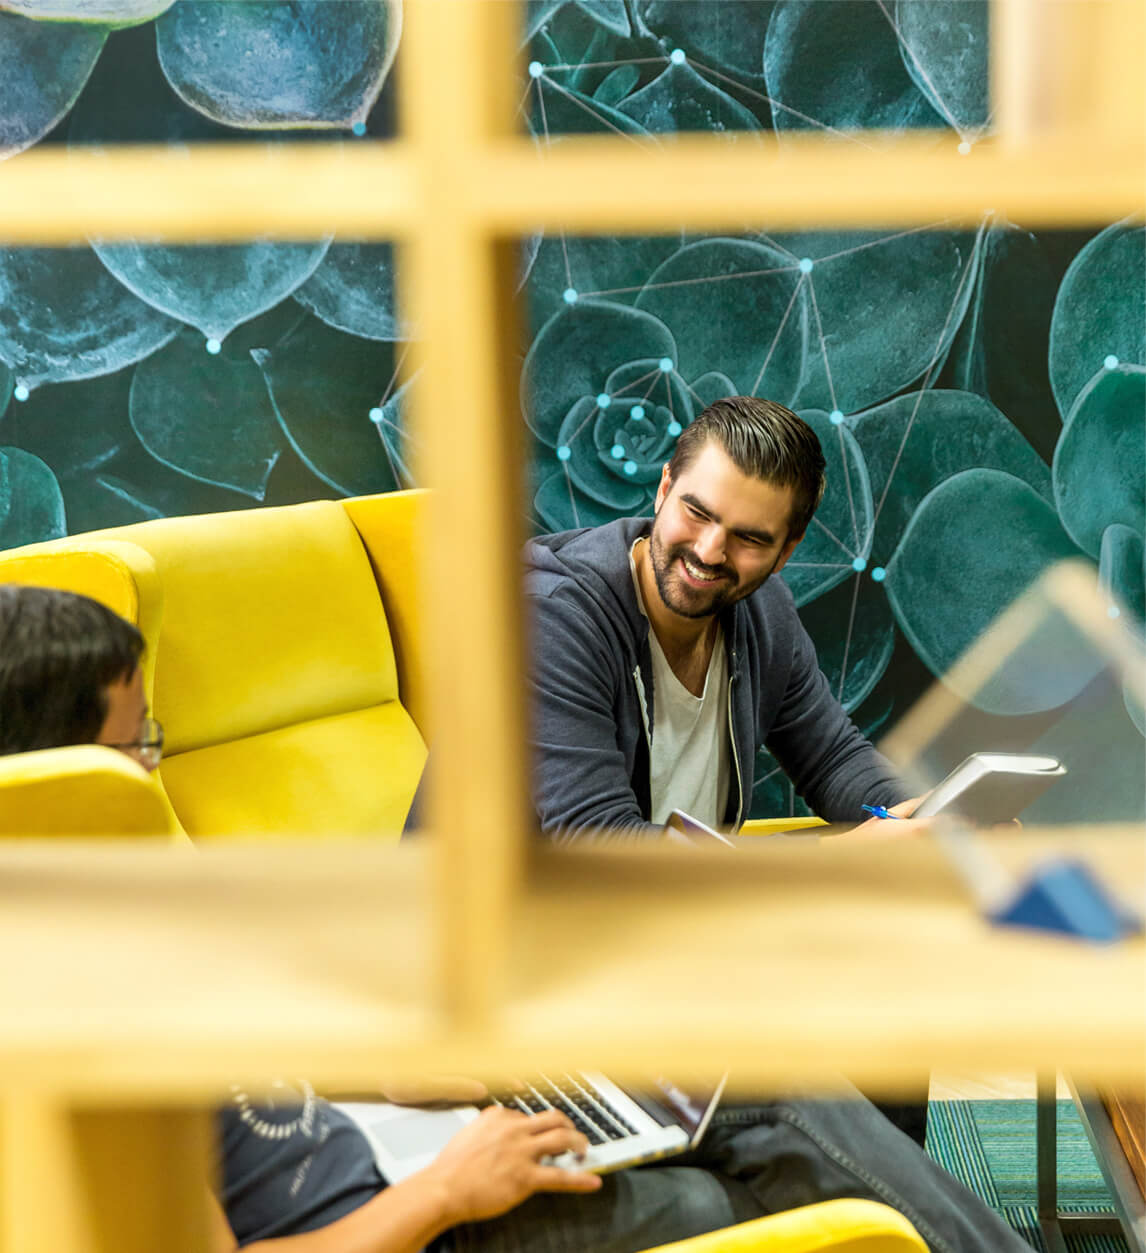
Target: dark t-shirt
(291,1164)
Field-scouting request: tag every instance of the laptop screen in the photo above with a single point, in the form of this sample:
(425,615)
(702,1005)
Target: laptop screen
(668,1102)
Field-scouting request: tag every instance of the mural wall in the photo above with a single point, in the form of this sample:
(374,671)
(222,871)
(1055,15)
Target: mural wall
(979,393)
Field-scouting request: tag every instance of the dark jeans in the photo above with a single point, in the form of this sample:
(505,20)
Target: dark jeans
(755,1160)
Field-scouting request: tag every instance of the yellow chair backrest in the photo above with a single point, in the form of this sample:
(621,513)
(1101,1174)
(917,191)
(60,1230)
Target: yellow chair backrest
(119,575)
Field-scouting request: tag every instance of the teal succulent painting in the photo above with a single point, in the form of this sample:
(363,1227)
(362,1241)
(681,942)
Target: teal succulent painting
(980,394)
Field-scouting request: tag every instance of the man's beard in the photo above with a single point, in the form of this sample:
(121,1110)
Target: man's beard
(693,602)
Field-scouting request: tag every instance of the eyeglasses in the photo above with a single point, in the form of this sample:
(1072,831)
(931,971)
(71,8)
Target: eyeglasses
(149,747)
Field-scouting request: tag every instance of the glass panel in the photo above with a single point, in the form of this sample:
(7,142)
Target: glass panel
(144,380)
(1061,675)
(86,71)
(748,66)
(140,380)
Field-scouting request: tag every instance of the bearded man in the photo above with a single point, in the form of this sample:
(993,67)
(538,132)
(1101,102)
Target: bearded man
(666,653)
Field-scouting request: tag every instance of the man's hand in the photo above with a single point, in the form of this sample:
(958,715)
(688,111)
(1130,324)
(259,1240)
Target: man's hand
(890,829)
(494,1163)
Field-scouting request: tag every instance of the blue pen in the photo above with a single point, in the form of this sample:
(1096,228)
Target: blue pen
(878,811)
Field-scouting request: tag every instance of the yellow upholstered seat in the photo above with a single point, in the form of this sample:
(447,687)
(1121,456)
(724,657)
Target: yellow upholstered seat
(847,1226)
(86,790)
(772,826)
(270,661)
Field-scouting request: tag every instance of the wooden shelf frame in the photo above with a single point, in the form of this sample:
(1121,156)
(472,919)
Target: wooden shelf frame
(456,191)
(159,977)
(449,977)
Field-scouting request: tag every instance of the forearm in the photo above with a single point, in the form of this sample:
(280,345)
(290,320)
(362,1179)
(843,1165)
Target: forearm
(602,827)
(581,786)
(582,755)
(402,1218)
(491,1165)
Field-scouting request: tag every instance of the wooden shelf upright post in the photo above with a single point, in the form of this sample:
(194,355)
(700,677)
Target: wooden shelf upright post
(1071,69)
(458,282)
(106,1180)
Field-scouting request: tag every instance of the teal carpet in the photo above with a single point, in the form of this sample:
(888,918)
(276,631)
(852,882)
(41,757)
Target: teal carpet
(990,1147)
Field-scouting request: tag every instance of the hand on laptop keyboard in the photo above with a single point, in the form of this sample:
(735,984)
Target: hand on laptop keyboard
(502,1157)
(593,1116)
(565,1161)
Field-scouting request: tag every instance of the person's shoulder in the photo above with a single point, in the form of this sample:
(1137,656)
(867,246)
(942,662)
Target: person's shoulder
(544,551)
(580,557)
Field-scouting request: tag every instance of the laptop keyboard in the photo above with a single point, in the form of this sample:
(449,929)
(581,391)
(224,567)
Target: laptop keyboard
(592,1115)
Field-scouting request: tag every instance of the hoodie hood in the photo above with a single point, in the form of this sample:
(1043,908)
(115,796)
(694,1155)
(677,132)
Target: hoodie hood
(595,562)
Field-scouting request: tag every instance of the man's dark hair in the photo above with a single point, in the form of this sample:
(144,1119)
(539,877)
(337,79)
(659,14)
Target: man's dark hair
(763,440)
(58,654)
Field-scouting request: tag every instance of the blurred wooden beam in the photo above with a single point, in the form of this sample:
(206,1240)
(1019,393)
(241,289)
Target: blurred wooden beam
(105,1180)
(458,286)
(805,182)
(145,976)
(1067,72)
(508,186)
(208,192)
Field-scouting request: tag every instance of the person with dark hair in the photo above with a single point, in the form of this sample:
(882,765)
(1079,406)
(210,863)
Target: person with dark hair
(665,654)
(70,674)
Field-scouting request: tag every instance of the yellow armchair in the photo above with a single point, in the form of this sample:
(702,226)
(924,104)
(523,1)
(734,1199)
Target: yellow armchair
(274,638)
(846,1226)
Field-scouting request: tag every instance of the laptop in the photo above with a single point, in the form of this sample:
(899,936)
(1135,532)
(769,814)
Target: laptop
(624,1125)
(682,828)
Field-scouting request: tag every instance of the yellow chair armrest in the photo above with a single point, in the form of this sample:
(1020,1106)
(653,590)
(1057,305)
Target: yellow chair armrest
(847,1226)
(771,826)
(84,790)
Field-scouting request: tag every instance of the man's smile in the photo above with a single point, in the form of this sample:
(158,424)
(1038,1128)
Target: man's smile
(699,574)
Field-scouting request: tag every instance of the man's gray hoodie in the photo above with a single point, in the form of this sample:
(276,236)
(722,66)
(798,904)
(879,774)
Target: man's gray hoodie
(592,690)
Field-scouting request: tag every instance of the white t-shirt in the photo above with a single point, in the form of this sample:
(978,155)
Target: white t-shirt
(689,766)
